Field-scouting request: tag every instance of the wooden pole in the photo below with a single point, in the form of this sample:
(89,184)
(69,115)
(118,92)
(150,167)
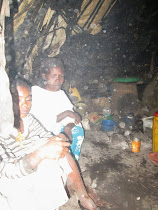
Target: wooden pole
(6,112)
(152,62)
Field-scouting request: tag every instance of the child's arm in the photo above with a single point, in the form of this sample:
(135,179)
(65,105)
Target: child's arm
(70,114)
(68,119)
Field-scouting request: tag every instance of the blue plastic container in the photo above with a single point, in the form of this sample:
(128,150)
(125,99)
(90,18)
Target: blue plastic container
(108,125)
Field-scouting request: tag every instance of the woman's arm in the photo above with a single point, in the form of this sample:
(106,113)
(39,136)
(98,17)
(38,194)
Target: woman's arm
(13,167)
(53,149)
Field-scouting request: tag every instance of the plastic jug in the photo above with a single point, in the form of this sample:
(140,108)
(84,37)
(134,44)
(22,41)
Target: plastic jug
(155,133)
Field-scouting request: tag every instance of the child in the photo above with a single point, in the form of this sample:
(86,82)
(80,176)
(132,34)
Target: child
(52,107)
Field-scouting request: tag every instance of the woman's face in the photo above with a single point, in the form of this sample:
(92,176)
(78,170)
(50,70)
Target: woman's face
(22,103)
(54,79)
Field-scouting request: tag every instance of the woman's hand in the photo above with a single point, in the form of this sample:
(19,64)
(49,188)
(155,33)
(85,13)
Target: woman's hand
(62,136)
(55,148)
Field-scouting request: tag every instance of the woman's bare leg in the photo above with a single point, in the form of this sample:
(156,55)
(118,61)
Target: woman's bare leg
(75,181)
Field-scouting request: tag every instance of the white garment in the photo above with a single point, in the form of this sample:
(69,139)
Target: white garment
(46,105)
(41,190)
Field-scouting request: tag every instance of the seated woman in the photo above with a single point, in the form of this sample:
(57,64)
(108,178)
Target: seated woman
(51,106)
(34,165)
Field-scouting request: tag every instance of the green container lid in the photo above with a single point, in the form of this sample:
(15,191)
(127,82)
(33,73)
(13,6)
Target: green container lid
(126,80)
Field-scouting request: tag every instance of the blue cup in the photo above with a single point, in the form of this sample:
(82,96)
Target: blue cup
(108,125)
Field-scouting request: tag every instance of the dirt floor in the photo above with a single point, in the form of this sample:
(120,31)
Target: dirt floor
(127,180)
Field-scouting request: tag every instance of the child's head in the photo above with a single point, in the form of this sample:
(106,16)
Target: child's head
(52,72)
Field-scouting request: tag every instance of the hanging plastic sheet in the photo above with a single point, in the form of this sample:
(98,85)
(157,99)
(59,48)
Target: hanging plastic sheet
(92,12)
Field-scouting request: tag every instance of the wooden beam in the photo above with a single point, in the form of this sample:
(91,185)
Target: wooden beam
(6,112)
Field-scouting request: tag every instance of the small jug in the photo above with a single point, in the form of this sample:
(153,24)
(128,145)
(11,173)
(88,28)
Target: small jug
(86,125)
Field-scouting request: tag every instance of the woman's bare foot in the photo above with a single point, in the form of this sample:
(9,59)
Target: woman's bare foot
(87,202)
